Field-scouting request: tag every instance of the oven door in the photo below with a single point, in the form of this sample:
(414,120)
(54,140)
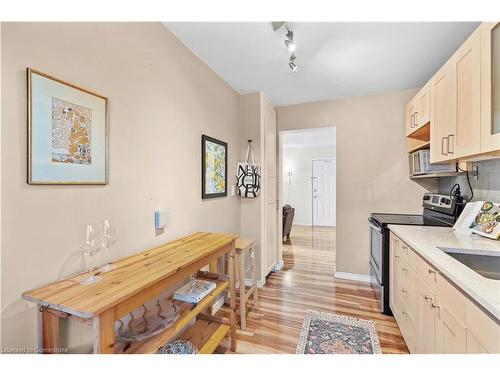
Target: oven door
(377,287)
(376,248)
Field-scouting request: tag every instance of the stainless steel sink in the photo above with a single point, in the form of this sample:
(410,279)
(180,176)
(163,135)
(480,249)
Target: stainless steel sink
(484,262)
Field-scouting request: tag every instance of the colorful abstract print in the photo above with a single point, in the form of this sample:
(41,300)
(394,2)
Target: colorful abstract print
(71,133)
(215,168)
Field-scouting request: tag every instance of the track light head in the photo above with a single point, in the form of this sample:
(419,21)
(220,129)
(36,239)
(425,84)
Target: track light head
(290,45)
(292,64)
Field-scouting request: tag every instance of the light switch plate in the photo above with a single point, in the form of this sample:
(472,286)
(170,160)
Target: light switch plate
(160,219)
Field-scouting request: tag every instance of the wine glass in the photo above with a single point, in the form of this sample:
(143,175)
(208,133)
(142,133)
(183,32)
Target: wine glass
(109,234)
(91,245)
(109,237)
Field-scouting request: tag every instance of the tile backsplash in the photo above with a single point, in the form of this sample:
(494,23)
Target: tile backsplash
(486,187)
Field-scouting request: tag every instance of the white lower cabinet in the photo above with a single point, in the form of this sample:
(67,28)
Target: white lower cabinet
(450,334)
(432,313)
(473,345)
(426,318)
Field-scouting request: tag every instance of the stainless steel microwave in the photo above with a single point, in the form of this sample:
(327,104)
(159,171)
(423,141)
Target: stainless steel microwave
(420,164)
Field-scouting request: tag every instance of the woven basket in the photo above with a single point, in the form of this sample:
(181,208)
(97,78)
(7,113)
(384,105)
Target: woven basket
(178,347)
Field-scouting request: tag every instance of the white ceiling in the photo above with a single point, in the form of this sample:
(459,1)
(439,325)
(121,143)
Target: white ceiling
(309,138)
(335,59)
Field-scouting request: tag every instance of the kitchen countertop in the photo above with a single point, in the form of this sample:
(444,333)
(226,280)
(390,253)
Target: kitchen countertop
(425,241)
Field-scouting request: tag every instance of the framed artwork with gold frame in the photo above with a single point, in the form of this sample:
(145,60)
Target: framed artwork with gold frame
(67,133)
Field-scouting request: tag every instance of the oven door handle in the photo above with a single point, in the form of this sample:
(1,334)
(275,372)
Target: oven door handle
(374,226)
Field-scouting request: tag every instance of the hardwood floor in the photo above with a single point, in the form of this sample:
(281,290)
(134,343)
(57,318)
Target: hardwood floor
(306,282)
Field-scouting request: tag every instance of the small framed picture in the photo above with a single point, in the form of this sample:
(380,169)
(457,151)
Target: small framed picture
(213,168)
(67,133)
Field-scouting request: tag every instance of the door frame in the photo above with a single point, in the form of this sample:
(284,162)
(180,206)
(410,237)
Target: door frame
(312,188)
(279,139)
(264,101)
(279,172)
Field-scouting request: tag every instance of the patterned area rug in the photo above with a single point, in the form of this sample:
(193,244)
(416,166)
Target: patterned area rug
(324,333)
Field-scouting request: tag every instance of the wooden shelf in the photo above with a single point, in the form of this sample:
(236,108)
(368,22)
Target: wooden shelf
(132,282)
(188,313)
(419,146)
(206,335)
(423,133)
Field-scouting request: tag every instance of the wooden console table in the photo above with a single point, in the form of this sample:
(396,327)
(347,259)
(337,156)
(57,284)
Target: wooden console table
(131,282)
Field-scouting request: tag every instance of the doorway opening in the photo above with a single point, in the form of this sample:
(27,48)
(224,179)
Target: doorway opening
(308,190)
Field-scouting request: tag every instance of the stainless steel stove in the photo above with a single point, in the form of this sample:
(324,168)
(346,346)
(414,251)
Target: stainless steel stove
(438,210)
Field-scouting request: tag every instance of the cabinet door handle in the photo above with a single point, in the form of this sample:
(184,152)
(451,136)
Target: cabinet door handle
(415,117)
(449,148)
(411,120)
(431,271)
(427,298)
(404,312)
(442,146)
(416,163)
(404,269)
(434,306)
(404,291)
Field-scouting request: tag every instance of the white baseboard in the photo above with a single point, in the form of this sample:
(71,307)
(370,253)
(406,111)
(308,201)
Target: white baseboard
(303,224)
(354,277)
(316,225)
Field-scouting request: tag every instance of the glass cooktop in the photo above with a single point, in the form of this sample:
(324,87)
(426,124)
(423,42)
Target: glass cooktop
(407,219)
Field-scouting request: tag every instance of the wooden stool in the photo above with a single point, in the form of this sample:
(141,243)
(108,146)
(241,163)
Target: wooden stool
(243,246)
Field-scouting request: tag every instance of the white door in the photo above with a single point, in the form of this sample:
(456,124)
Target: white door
(270,253)
(323,192)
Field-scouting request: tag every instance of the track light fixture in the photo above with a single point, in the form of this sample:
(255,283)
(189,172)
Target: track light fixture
(292,63)
(289,40)
(288,43)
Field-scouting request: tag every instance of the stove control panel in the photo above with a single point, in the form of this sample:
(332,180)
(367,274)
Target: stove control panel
(438,201)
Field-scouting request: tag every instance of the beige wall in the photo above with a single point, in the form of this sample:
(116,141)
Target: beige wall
(0,183)
(372,165)
(161,99)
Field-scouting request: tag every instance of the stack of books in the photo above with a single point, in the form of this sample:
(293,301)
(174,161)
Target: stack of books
(194,291)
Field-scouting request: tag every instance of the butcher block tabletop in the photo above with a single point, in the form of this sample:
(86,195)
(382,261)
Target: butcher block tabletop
(128,276)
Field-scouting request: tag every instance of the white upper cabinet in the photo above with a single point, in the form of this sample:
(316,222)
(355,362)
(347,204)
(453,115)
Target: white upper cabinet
(490,86)
(443,114)
(465,137)
(461,103)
